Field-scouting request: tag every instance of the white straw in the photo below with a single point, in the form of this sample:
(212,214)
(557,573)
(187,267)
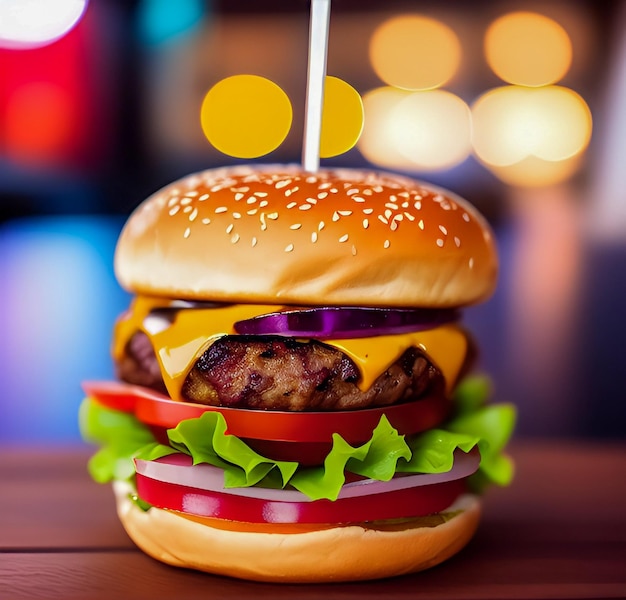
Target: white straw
(316,74)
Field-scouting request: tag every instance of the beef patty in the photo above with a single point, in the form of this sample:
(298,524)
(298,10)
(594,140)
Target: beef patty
(281,373)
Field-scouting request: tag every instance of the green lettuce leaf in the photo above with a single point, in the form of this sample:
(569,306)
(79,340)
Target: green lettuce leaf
(120,437)
(475,423)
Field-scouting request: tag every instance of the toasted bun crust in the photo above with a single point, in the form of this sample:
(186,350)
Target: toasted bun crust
(340,554)
(275,234)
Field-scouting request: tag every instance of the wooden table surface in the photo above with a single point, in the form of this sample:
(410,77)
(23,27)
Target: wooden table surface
(558,532)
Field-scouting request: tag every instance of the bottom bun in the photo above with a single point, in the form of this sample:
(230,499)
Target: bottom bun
(345,553)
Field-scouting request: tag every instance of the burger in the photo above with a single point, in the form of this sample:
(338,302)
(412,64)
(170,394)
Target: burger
(295,397)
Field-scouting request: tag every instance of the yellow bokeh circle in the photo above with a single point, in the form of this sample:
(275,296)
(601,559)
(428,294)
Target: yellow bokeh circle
(377,143)
(413,52)
(513,123)
(526,48)
(246,116)
(342,118)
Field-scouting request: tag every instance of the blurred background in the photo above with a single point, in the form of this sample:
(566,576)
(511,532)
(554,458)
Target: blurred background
(519,106)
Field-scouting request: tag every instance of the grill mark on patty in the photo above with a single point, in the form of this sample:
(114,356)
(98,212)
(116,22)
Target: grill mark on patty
(279,373)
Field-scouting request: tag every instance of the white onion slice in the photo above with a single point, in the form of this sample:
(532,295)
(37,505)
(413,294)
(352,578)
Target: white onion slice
(178,469)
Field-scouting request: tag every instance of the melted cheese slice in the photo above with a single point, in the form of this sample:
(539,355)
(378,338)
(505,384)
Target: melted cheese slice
(192,330)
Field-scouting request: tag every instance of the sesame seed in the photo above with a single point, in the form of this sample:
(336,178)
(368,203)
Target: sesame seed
(288,193)
(234,239)
(440,242)
(391,205)
(187,233)
(368,211)
(174,210)
(238,196)
(405,204)
(304,206)
(336,216)
(272,215)
(193,215)
(421,224)
(404,194)
(186,201)
(311,200)
(314,237)
(367,192)
(203,197)
(322,195)
(295,226)
(292,204)
(386,244)
(173,201)
(260,194)
(457,242)
(252,211)
(393,198)
(321,226)
(418,205)
(388,214)
(191,194)
(409,216)
(352,191)
(383,220)
(187,209)
(359,199)
(251,200)
(281,184)
(366,223)
(220,209)
(333,190)
(237,215)
(325,185)
(443,230)
(466,217)
(471,263)
(254,242)
(311,179)
(437,198)
(343,238)
(353,250)
(289,248)
(394,225)
(230,228)
(263,203)
(345,213)
(206,221)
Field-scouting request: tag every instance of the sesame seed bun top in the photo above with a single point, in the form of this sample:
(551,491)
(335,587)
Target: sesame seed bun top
(276,234)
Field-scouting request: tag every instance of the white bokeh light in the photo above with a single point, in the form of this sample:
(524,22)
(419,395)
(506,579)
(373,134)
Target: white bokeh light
(33,23)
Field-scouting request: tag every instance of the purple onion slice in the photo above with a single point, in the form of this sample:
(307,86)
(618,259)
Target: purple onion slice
(346,322)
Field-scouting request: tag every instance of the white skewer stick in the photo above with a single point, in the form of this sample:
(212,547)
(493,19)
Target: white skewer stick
(316,74)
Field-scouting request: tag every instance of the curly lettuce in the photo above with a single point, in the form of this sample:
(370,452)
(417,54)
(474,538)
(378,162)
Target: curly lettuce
(122,438)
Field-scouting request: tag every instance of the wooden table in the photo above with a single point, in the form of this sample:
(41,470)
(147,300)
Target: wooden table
(558,532)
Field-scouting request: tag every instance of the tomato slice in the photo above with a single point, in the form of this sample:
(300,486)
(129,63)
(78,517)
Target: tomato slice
(405,503)
(281,435)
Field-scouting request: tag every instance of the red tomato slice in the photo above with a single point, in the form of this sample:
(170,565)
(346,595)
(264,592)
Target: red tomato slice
(405,503)
(282,435)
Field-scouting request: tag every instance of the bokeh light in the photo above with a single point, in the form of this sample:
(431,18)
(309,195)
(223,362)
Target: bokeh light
(526,48)
(428,130)
(39,122)
(33,23)
(377,142)
(161,21)
(342,117)
(432,129)
(414,52)
(246,116)
(512,123)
